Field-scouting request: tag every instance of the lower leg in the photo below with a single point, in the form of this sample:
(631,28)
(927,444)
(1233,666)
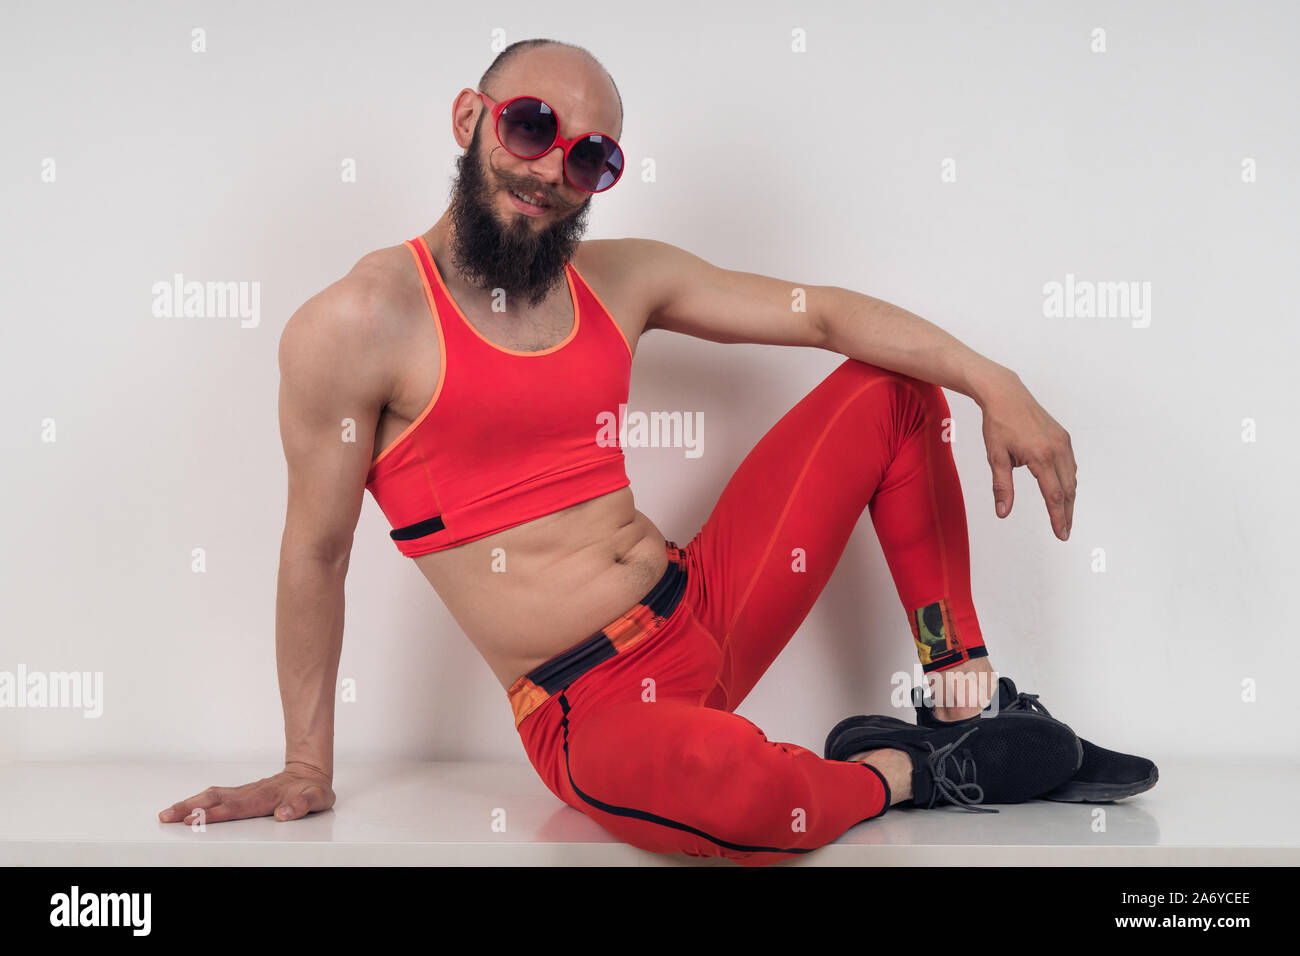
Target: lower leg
(920,519)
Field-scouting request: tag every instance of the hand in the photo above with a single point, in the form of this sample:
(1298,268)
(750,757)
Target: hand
(290,794)
(1018,431)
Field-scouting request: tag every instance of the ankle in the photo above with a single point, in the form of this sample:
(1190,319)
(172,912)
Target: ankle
(952,714)
(895,766)
(963,691)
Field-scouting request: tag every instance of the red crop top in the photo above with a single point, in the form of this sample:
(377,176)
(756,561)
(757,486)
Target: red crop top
(508,436)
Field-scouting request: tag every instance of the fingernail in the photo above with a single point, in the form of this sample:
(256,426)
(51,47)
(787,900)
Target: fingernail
(166,815)
(1002,509)
(283,813)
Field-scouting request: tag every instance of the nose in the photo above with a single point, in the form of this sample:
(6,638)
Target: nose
(549,168)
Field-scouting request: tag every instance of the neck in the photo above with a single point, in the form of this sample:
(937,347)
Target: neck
(439,239)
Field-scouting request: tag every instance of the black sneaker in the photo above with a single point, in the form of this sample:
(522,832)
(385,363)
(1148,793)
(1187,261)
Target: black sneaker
(1104,775)
(1009,760)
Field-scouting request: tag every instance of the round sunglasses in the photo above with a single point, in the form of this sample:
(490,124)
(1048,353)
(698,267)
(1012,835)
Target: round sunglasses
(527,128)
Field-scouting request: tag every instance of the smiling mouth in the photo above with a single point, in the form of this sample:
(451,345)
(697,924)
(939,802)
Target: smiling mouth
(532,201)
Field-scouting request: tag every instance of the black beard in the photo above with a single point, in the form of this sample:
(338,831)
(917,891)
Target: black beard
(515,258)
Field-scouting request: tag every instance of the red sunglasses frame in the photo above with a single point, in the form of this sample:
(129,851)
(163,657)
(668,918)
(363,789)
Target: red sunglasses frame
(566,144)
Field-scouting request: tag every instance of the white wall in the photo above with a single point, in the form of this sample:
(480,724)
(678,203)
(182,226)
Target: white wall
(817,167)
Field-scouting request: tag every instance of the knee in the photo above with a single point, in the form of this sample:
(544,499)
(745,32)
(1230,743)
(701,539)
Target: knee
(902,397)
(855,370)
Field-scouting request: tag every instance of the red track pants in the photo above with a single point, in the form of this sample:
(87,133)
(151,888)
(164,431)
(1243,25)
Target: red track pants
(634,727)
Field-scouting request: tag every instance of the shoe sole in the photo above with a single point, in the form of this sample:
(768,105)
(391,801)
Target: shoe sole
(855,734)
(1082,792)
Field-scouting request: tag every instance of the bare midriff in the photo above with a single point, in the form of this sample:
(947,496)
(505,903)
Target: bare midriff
(527,593)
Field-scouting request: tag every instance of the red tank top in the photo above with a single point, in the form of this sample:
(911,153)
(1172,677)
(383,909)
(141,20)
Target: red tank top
(508,436)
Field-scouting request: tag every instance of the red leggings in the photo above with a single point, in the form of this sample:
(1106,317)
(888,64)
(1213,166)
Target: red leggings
(635,728)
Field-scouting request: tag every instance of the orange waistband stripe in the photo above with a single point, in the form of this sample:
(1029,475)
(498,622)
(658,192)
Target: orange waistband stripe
(623,633)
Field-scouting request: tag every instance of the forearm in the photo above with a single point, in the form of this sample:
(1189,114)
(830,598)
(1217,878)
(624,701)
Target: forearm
(308,642)
(879,333)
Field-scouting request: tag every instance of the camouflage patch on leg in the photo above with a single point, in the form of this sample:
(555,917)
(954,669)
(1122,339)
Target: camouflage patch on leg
(932,630)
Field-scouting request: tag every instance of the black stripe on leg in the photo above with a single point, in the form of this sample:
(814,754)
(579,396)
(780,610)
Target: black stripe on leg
(654,817)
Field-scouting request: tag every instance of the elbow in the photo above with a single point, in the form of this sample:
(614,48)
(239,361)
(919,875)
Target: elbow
(826,315)
(333,551)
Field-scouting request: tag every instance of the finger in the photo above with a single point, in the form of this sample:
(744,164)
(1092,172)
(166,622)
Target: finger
(182,809)
(1066,470)
(1003,488)
(1044,470)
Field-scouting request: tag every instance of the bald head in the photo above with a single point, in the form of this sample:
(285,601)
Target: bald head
(562,74)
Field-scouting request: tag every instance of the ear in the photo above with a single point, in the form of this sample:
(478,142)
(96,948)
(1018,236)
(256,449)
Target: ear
(465,109)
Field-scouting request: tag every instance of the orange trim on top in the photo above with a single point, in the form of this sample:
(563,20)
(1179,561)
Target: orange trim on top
(573,332)
(621,334)
(442,364)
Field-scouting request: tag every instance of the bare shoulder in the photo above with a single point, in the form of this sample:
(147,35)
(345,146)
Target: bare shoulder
(349,330)
(625,260)
(631,276)
(367,299)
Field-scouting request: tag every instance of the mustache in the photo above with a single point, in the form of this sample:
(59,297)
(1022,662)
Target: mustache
(530,188)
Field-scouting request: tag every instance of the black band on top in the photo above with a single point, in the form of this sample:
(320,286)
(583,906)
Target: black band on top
(418,530)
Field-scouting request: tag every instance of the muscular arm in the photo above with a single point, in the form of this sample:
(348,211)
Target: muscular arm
(684,293)
(331,395)
(333,385)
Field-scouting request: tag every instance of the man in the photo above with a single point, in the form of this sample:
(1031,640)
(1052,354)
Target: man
(477,362)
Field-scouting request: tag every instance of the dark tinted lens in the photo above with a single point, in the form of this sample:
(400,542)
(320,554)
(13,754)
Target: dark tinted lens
(527,127)
(595,163)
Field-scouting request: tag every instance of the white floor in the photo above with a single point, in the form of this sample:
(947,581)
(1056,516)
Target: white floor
(443,814)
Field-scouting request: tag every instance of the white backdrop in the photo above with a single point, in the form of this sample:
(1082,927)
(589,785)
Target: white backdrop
(129,158)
